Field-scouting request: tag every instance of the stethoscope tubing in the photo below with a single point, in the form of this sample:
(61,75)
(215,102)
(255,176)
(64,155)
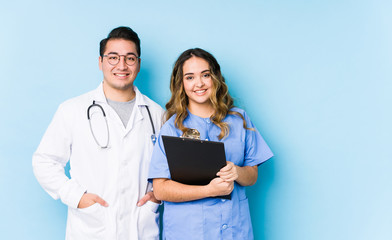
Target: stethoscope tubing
(106,121)
(153,136)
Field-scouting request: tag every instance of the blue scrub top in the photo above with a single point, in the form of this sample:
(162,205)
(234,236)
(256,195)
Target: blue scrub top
(212,218)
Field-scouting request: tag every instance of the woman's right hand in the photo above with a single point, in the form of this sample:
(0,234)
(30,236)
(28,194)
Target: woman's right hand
(219,187)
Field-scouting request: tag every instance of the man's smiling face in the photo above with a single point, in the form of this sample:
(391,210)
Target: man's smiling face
(120,76)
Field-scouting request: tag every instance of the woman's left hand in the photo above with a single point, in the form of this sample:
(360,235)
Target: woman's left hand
(229,172)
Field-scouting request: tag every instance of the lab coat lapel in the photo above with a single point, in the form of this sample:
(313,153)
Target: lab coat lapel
(100,98)
(99,95)
(136,115)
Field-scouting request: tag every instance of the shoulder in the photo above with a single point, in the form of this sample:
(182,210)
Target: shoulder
(155,107)
(235,119)
(156,111)
(169,127)
(238,110)
(75,103)
(72,110)
(170,122)
(152,104)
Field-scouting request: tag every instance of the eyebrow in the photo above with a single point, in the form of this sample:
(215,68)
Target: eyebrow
(193,73)
(130,53)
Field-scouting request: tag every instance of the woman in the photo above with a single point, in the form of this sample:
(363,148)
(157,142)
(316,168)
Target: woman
(200,100)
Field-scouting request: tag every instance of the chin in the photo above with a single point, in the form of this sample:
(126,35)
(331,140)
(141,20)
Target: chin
(123,86)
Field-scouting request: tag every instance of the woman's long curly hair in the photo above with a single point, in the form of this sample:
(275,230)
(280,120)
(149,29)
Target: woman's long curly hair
(220,98)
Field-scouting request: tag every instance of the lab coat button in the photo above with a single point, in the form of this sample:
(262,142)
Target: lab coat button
(224,226)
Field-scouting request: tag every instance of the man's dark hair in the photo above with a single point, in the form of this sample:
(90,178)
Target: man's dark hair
(125,33)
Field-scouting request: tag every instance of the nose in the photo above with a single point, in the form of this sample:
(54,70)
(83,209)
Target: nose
(121,63)
(199,82)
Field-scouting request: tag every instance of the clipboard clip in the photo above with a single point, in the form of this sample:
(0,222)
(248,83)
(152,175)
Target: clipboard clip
(191,133)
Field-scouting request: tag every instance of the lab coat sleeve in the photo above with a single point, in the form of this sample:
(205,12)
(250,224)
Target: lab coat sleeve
(52,155)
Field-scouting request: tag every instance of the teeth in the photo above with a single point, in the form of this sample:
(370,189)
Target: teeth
(121,75)
(200,91)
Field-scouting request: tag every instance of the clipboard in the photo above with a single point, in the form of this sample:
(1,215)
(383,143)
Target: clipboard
(194,161)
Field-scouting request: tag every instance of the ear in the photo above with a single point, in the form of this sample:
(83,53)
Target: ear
(139,60)
(100,62)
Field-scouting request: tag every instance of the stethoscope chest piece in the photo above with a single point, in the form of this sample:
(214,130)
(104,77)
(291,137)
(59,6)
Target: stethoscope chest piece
(153,138)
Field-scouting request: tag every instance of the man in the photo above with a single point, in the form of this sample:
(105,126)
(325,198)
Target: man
(107,135)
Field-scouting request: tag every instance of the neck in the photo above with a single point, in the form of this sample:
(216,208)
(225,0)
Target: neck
(204,110)
(118,95)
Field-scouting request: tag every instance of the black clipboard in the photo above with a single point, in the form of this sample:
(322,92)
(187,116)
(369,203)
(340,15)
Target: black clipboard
(194,161)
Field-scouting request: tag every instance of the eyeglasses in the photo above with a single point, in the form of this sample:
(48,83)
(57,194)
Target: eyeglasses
(114,59)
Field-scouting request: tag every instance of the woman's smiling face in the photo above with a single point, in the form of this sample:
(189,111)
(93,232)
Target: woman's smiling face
(197,81)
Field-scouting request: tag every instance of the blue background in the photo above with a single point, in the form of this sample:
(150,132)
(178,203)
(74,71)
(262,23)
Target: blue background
(315,77)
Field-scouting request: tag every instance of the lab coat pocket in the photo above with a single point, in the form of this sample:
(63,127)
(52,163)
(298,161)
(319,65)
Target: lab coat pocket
(148,221)
(90,209)
(152,206)
(89,222)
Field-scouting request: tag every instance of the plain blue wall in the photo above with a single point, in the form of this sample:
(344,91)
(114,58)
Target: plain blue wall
(315,77)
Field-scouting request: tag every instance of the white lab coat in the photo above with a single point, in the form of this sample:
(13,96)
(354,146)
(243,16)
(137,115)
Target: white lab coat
(118,174)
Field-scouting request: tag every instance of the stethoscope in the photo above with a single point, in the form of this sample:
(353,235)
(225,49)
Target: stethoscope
(153,136)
